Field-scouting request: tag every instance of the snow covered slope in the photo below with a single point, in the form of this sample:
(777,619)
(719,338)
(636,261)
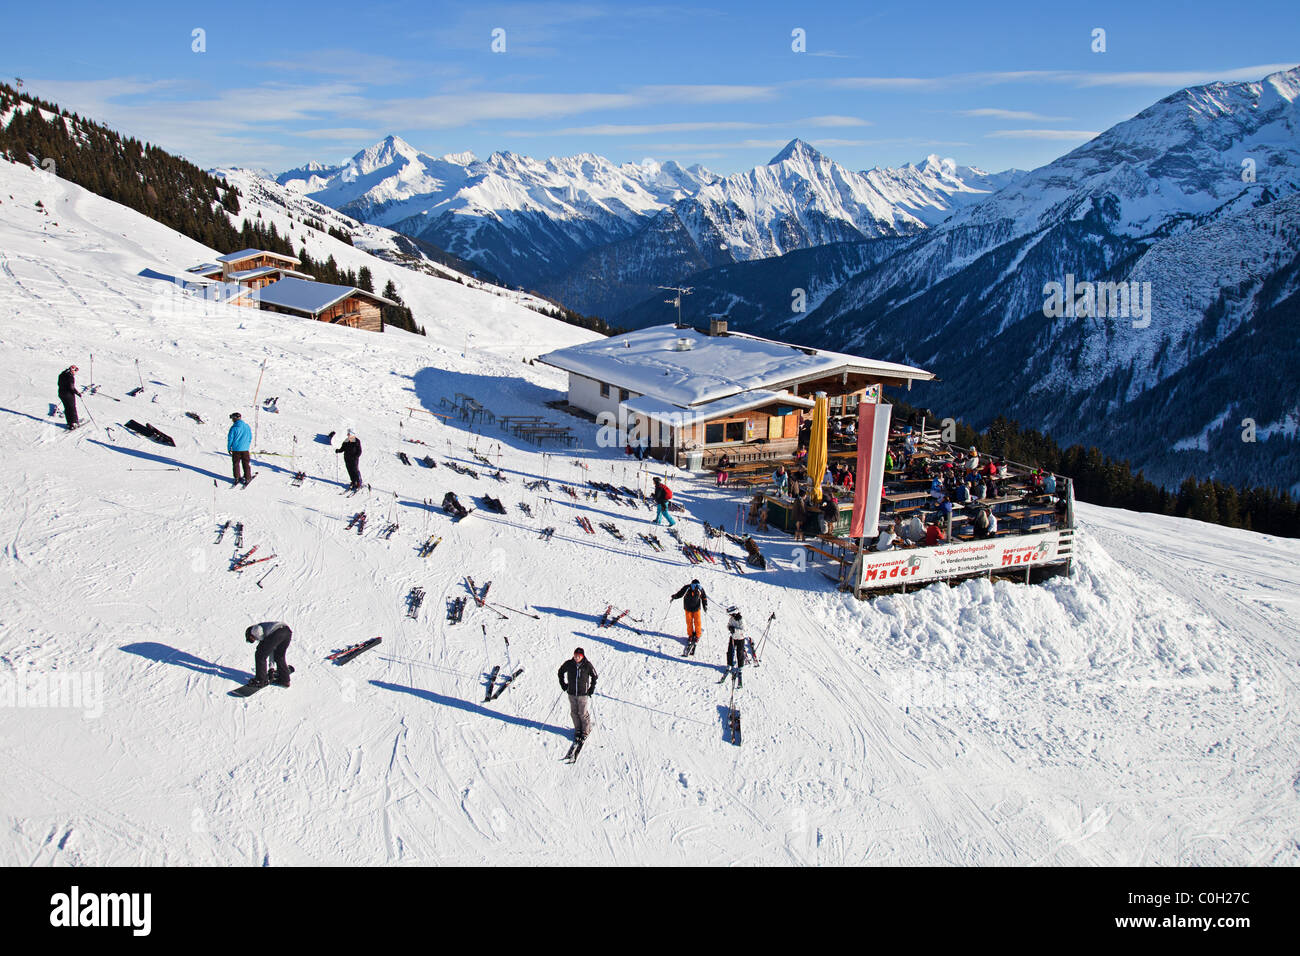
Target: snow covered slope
(1143,711)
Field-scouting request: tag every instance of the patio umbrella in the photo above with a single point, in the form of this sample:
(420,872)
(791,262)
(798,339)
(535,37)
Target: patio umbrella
(817,448)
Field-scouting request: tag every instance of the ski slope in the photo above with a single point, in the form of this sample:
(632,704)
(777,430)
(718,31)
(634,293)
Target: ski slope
(1142,711)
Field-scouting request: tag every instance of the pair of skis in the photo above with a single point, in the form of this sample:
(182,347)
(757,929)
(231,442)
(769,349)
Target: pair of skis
(546,534)
(585,524)
(612,529)
(426,549)
(501,687)
(480,597)
(247,560)
(413,602)
(402,457)
(621,617)
(341,657)
(575,748)
(298,478)
(653,541)
(455,610)
(357,521)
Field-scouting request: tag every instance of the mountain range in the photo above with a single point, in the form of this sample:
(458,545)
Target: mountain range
(1194,199)
(600,237)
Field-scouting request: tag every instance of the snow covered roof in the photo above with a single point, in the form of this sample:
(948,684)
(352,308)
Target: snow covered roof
(195,283)
(659,410)
(648,361)
(248,253)
(204,268)
(309,297)
(253,273)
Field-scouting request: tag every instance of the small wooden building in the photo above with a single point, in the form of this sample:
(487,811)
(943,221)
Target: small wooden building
(247,259)
(263,276)
(695,395)
(337,304)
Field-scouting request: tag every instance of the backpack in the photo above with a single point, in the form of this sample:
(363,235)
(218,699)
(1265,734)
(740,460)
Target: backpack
(668,492)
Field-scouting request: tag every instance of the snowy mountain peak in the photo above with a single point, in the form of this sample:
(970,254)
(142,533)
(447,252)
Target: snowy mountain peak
(799,151)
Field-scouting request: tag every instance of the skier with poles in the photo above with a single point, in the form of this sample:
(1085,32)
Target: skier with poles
(351,449)
(578,680)
(238,442)
(735,641)
(272,639)
(693,599)
(68,395)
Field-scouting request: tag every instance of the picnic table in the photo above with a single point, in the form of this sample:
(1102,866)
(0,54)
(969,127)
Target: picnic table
(505,420)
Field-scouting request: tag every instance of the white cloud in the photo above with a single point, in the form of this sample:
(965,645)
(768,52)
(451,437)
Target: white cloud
(1064,134)
(1012,115)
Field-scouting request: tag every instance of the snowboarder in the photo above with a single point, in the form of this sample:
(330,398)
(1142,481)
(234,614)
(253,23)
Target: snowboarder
(351,449)
(238,441)
(735,638)
(662,495)
(578,680)
(693,599)
(68,395)
(272,640)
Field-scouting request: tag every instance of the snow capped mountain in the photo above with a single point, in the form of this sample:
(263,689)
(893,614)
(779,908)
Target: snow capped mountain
(1192,196)
(554,224)
(802,199)
(516,216)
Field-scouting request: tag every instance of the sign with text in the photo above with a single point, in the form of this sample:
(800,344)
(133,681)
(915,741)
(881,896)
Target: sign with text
(955,560)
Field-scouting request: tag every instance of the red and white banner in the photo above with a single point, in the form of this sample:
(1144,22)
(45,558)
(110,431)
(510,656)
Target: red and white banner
(957,559)
(873,443)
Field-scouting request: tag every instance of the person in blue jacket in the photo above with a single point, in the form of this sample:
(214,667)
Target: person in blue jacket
(238,442)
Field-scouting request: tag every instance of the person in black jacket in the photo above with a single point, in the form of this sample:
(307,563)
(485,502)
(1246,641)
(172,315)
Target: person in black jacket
(351,449)
(578,680)
(693,599)
(272,639)
(68,395)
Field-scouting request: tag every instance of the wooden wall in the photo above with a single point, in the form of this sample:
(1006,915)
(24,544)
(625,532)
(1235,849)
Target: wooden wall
(356,312)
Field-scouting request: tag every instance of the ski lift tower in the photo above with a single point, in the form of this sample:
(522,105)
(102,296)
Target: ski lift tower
(676,300)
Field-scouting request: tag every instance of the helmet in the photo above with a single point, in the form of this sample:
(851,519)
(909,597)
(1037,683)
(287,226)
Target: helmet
(73,368)
(235,416)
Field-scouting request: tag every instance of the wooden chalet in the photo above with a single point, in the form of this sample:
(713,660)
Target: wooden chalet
(336,304)
(247,259)
(694,396)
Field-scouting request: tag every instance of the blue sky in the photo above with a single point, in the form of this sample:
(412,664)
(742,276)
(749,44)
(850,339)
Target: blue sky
(1012,84)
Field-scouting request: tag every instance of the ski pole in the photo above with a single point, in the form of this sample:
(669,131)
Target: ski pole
(267,574)
(138,375)
(547,719)
(759,653)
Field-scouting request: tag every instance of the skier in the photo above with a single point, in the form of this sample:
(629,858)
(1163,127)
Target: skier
(68,395)
(662,495)
(735,639)
(238,441)
(272,640)
(578,680)
(693,599)
(351,449)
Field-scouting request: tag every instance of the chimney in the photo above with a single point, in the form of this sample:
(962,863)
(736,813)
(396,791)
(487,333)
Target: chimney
(717,326)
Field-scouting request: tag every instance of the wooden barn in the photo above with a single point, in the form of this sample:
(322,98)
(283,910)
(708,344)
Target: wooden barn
(337,304)
(694,395)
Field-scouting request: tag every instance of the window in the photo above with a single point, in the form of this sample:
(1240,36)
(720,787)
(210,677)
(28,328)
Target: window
(718,433)
(624,395)
(604,390)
